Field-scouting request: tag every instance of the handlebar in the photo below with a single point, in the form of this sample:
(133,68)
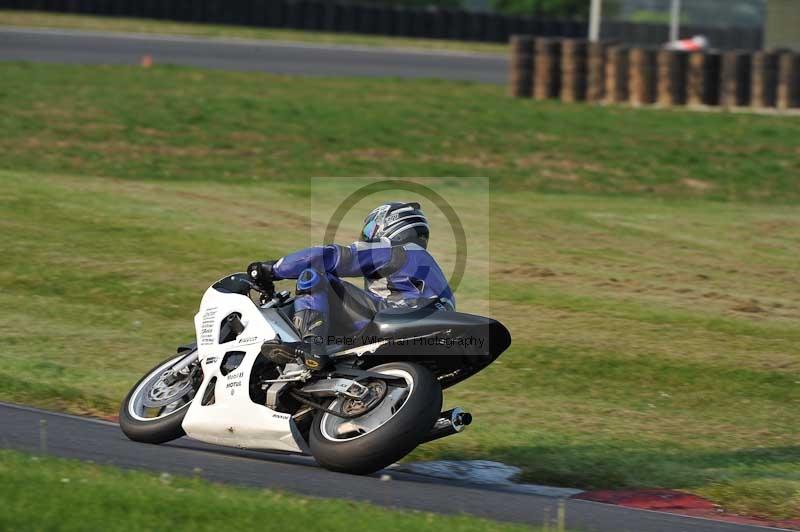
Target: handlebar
(268,290)
(280,298)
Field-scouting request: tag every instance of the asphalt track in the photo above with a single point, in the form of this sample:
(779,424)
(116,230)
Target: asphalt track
(31,430)
(83,47)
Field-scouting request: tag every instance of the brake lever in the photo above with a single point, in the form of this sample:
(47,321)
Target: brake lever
(268,291)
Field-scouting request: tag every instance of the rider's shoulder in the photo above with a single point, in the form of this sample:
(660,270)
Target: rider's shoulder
(359,245)
(410,246)
(385,243)
(417,253)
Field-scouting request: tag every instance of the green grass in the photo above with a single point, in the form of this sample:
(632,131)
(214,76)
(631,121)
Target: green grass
(195,125)
(51,494)
(645,262)
(35,19)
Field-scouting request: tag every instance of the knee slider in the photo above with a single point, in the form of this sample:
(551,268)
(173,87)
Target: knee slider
(307,281)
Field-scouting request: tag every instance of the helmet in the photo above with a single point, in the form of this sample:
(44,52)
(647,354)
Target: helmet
(400,222)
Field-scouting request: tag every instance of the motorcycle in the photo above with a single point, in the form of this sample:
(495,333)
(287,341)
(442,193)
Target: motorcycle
(381,398)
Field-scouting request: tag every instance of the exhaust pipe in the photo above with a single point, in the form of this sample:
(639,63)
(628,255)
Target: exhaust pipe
(449,422)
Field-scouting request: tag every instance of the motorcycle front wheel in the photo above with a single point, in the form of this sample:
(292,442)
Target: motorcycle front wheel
(387,432)
(154,409)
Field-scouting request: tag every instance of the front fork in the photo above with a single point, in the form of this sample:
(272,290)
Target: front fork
(182,368)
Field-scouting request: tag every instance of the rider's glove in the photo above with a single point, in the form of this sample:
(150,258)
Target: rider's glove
(262,273)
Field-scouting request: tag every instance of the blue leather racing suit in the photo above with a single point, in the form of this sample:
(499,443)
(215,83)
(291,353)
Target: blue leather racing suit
(396,276)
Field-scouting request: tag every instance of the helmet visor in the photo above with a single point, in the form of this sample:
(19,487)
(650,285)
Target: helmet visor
(369,230)
(370,227)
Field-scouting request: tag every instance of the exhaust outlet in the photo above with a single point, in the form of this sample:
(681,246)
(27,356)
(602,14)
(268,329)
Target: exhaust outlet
(449,422)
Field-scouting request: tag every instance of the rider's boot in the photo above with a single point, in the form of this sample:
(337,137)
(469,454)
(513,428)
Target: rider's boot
(313,355)
(280,353)
(313,329)
(311,351)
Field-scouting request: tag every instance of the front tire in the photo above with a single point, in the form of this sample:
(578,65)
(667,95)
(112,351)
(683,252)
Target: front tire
(166,425)
(393,438)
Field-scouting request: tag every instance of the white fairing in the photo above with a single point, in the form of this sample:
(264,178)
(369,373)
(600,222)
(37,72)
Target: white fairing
(234,419)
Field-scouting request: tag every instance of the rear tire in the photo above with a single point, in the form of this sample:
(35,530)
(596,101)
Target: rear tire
(158,430)
(389,442)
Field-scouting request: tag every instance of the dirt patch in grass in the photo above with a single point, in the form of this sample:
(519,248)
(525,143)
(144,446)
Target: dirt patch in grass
(365,154)
(697,184)
(479,160)
(749,308)
(527,271)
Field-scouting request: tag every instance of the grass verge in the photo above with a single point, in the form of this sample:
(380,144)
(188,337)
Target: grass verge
(655,327)
(36,19)
(183,124)
(52,494)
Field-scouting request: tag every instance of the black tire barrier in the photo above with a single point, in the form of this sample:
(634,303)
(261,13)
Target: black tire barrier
(764,89)
(642,72)
(703,79)
(573,70)
(788,80)
(521,66)
(673,75)
(735,80)
(547,65)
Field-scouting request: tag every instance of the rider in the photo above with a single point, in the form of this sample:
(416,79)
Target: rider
(392,258)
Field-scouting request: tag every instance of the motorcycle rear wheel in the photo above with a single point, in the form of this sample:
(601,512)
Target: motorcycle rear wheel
(387,432)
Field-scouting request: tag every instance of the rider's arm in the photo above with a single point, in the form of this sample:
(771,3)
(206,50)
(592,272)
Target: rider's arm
(368,259)
(356,260)
(320,258)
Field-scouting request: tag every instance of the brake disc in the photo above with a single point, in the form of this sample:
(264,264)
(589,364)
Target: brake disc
(163,394)
(357,407)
